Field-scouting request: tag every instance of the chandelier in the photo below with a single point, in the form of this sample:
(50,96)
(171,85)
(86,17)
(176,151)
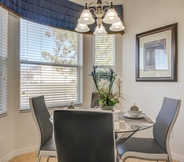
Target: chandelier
(105,14)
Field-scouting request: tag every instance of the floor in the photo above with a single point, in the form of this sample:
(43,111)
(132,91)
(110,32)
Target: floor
(31,157)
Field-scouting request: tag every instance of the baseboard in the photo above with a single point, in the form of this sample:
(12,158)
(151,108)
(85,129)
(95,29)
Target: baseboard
(178,157)
(25,150)
(11,155)
(7,157)
(17,153)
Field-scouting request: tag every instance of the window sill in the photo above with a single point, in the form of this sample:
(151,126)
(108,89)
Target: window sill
(3,115)
(49,108)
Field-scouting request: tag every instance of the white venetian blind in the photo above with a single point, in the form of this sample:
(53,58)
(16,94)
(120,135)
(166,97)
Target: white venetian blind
(3,59)
(104,55)
(51,65)
(104,50)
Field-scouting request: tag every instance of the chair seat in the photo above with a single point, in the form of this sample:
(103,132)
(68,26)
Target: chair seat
(141,146)
(49,147)
(120,141)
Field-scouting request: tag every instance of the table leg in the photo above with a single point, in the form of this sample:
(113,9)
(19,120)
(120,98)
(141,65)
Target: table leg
(117,159)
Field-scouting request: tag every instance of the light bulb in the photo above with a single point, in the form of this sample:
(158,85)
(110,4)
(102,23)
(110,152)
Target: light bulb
(86,18)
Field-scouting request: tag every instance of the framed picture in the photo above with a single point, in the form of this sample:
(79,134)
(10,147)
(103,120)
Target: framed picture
(156,54)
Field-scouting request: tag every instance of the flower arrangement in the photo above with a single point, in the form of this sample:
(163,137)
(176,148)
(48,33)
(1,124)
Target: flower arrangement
(104,87)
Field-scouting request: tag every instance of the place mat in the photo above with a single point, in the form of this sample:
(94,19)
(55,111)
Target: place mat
(120,125)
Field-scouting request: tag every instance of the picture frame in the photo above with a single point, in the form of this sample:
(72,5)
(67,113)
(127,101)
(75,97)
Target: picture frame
(156,54)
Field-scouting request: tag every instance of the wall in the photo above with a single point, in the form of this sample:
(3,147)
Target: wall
(7,123)
(141,16)
(16,127)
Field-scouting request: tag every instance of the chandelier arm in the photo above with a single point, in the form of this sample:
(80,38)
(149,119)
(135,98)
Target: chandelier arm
(92,4)
(93,13)
(106,3)
(106,8)
(92,9)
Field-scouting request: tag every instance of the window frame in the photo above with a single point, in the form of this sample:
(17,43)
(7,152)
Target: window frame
(103,66)
(78,66)
(4,61)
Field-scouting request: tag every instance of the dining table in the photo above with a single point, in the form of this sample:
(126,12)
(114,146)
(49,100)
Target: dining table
(123,123)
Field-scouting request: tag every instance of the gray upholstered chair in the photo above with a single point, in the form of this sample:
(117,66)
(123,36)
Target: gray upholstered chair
(94,100)
(84,136)
(156,148)
(46,146)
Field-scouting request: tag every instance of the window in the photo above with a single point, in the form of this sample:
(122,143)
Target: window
(51,65)
(104,53)
(3,59)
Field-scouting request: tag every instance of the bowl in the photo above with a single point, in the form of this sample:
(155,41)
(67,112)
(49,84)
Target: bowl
(134,113)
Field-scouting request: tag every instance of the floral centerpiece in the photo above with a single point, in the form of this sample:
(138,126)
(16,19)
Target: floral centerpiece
(106,97)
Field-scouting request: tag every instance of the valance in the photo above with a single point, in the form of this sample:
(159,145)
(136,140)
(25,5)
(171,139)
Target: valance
(56,13)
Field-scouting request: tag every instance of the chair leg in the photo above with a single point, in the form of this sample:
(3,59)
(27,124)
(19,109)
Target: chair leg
(48,159)
(39,158)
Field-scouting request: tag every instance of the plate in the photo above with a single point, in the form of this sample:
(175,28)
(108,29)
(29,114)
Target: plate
(126,115)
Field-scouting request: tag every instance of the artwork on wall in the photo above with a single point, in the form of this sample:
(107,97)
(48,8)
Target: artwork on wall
(156,54)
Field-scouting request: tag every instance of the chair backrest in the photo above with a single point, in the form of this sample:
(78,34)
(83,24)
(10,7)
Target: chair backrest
(84,136)
(165,121)
(94,99)
(41,117)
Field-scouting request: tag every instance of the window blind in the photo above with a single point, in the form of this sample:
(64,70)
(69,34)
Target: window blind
(51,65)
(104,51)
(104,55)
(3,59)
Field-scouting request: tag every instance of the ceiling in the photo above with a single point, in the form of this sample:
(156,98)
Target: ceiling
(82,2)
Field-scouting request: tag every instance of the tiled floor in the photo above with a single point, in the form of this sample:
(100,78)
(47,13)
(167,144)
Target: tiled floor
(31,157)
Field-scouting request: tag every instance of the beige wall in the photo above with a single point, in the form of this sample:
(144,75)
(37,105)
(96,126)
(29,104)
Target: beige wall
(7,123)
(16,127)
(141,16)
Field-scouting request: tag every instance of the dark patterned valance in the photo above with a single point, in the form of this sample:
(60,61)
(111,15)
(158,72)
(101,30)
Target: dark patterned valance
(57,13)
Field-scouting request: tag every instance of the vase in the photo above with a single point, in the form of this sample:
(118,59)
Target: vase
(107,108)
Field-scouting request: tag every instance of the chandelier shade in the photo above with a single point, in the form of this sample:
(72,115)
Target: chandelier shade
(100,31)
(86,17)
(82,28)
(111,17)
(117,26)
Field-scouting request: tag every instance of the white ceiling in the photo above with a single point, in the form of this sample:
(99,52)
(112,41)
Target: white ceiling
(82,2)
